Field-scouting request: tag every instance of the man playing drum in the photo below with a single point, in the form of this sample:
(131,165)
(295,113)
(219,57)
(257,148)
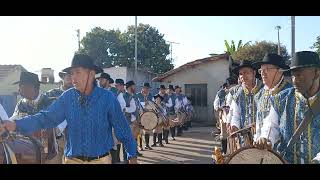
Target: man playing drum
(90,111)
(302,104)
(157,132)
(31,103)
(274,83)
(143,97)
(167,101)
(180,102)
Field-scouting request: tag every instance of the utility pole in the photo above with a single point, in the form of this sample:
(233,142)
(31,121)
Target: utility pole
(78,35)
(278,28)
(293,26)
(171,47)
(135,52)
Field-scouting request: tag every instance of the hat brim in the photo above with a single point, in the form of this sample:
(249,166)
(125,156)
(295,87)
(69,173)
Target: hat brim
(236,69)
(62,74)
(257,65)
(18,82)
(95,68)
(298,67)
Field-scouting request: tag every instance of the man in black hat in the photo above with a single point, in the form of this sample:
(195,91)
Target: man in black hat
(55,93)
(168,105)
(180,102)
(31,103)
(302,104)
(103,80)
(157,132)
(274,82)
(143,97)
(91,113)
(243,104)
(172,114)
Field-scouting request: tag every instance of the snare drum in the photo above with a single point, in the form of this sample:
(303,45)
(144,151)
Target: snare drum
(239,139)
(252,155)
(149,120)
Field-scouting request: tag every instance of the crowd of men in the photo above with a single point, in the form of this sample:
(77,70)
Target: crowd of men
(280,103)
(92,119)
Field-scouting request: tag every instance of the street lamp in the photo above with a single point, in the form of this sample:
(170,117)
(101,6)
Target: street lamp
(278,28)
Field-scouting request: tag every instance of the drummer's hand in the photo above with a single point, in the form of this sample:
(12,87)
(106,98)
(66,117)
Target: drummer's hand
(133,161)
(9,125)
(228,127)
(263,143)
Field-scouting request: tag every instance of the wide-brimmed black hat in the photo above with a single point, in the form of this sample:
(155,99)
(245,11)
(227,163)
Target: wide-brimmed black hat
(85,61)
(274,59)
(304,59)
(62,74)
(162,86)
(177,86)
(111,81)
(243,63)
(129,84)
(28,78)
(103,75)
(146,85)
(171,87)
(158,96)
(120,81)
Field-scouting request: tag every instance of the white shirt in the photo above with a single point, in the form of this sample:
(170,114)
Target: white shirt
(130,109)
(179,103)
(3,113)
(235,115)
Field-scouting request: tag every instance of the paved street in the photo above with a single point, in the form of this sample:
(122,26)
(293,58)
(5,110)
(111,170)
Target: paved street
(194,147)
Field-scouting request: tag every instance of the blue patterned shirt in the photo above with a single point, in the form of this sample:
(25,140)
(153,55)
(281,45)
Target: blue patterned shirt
(89,126)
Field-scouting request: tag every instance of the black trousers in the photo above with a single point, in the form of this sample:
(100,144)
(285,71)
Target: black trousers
(115,154)
(165,135)
(173,131)
(125,159)
(179,130)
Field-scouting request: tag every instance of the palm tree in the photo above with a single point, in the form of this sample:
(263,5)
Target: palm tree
(232,47)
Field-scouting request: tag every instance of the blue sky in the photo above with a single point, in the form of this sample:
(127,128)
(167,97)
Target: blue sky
(37,42)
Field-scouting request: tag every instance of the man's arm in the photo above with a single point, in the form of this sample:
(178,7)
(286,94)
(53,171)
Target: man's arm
(121,101)
(45,119)
(216,103)
(121,127)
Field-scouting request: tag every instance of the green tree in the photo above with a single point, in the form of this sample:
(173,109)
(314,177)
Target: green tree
(153,50)
(316,45)
(257,51)
(113,47)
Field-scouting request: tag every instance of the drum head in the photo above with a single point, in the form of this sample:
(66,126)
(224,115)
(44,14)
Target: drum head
(149,120)
(252,155)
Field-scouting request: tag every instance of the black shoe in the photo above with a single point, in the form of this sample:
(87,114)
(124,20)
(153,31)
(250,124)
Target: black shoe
(141,149)
(139,154)
(167,142)
(153,145)
(173,139)
(161,145)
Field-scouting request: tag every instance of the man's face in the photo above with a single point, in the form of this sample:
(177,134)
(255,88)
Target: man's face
(81,77)
(132,89)
(28,91)
(146,90)
(67,82)
(177,90)
(302,78)
(103,82)
(158,100)
(247,75)
(120,87)
(269,74)
(162,91)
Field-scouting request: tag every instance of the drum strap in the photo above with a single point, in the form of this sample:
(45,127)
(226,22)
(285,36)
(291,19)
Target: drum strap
(309,115)
(10,156)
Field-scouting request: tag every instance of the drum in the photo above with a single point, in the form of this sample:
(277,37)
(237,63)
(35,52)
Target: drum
(20,150)
(252,155)
(239,139)
(149,120)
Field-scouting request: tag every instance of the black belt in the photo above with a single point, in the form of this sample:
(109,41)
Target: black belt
(85,158)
